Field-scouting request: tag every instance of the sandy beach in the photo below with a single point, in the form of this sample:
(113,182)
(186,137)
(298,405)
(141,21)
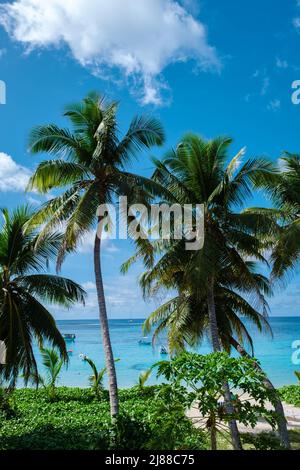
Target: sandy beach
(292,414)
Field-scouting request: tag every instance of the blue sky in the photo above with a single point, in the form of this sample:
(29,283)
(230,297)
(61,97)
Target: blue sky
(211,67)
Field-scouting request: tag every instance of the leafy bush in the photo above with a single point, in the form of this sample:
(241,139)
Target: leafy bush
(262,441)
(126,433)
(96,379)
(53,364)
(78,420)
(199,380)
(290,394)
(7,407)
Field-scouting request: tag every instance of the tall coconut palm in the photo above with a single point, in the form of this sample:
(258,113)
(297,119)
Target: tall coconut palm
(285,191)
(88,163)
(185,317)
(197,173)
(26,292)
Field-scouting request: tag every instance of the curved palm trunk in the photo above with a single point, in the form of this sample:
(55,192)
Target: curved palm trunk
(234,432)
(282,424)
(109,358)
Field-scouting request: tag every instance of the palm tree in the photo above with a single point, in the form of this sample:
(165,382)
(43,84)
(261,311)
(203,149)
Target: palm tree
(89,164)
(185,317)
(196,173)
(143,378)
(25,291)
(53,364)
(97,376)
(285,190)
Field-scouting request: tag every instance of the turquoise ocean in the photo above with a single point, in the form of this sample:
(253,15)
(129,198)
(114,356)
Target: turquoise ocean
(275,354)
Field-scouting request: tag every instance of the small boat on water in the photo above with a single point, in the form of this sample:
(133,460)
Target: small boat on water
(145,341)
(83,357)
(69,337)
(164,351)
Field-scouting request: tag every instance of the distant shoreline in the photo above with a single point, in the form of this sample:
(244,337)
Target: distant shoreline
(271,317)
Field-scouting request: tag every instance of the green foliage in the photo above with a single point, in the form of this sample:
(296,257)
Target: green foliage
(199,381)
(96,379)
(125,433)
(7,406)
(144,377)
(297,374)
(76,420)
(87,162)
(198,172)
(262,441)
(285,192)
(52,364)
(290,394)
(85,157)
(25,290)
(169,425)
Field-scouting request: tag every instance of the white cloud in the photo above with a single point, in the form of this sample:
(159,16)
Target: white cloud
(192,6)
(296,23)
(265,86)
(138,38)
(88,286)
(281,63)
(263,79)
(33,201)
(274,105)
(13,177)
(123,299)
(86,245)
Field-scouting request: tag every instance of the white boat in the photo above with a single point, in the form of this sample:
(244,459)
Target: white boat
(83,357)
(145,341)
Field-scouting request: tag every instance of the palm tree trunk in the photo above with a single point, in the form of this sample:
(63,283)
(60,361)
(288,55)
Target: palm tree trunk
(234,432)
(213,435)
(109,358)
(282,424)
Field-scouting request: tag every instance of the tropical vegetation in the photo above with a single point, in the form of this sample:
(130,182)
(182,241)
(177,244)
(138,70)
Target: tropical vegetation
(79,421)
(215,291)
(89,164)
(197,382)
(27,291)
(97,376)
(52,364)
(217,286)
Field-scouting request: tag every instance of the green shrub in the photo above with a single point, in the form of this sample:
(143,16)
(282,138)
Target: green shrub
(199,380)
(149,422)
(262,441)
(7,406)
(290,394)
(77,420)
